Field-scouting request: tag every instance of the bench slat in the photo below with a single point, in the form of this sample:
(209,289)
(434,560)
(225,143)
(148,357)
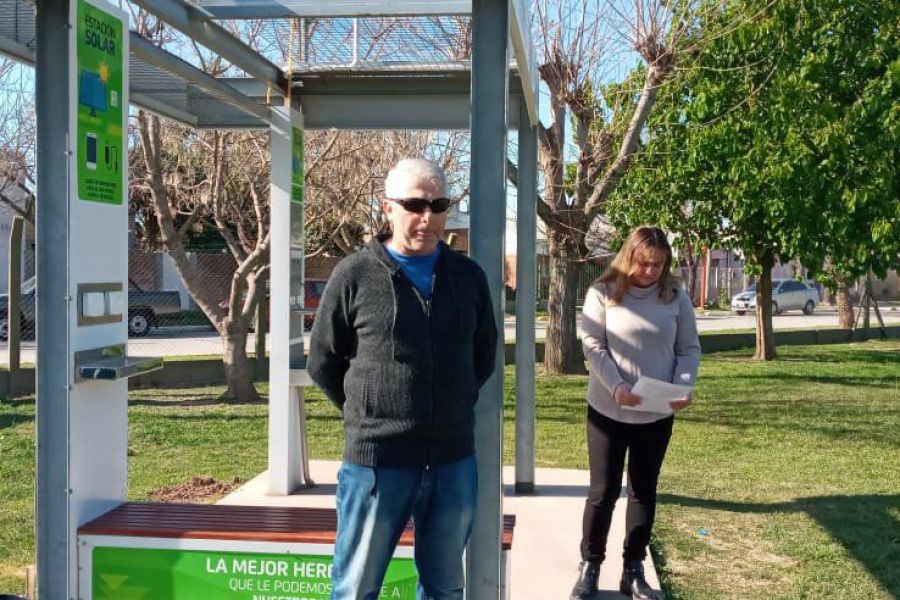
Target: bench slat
(230,522)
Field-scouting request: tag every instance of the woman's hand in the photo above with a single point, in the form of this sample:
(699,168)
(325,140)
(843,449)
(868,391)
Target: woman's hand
(680,404)
(624,397)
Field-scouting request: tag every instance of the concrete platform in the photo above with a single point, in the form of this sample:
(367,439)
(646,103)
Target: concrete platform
(548,528)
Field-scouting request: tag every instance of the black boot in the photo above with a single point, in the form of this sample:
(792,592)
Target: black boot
(633,583)
(586,586)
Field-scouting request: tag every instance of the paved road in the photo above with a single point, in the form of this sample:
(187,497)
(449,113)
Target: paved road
(795,319)
(200,341)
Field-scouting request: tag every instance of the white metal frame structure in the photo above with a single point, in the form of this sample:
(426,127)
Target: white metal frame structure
(483,96)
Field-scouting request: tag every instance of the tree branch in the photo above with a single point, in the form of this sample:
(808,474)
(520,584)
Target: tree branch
(617,169)
(151,144)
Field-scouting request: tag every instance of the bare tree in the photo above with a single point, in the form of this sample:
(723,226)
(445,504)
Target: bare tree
(217,180)
(17,139)
(579,45)
(184,182)
(346,179)
(346,169)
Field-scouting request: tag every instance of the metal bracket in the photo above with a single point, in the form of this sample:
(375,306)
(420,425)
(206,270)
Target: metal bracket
(110,364)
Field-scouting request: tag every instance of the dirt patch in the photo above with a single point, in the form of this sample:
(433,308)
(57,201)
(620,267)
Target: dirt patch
(197,489)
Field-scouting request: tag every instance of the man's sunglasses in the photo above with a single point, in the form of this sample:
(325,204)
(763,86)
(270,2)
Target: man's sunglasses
(418,205)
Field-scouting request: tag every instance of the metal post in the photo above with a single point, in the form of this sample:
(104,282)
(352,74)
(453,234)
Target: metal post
(262,326)
(288,459)
(52,104)
(303,58)
(526,231)
(14,302)
(490,32)
(355,43)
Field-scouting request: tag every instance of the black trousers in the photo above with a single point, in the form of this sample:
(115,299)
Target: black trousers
(608,442)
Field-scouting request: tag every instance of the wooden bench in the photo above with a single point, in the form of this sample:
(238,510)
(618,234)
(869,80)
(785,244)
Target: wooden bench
(229,522)
(209,536)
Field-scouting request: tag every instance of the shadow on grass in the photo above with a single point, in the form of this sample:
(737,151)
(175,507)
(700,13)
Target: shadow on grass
(862,381)
(559,416)
(887,356)
(787,354)
(20,401)
(215,417)
(867,526)
(11,420)
(192,402)
(858,425)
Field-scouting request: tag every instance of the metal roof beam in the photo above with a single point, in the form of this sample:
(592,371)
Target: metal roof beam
(162,109)
(172,64)
(326,83)
(433,112)
(16,51)
(167,62)
(386,102)
(274,9)
(196,24)
(523,47)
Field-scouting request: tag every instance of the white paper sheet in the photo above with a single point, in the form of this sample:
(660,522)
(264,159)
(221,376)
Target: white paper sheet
(656,395)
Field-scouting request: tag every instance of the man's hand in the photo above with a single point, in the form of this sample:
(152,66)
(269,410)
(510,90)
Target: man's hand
(682,403)
(624,397)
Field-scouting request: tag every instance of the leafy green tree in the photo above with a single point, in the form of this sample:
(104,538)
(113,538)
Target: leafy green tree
(576,52)
(783,134)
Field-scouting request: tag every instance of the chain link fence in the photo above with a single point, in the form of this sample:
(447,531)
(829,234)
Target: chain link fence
(590,271)
(163,318)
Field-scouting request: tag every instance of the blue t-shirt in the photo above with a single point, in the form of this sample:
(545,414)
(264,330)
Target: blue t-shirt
(419,269)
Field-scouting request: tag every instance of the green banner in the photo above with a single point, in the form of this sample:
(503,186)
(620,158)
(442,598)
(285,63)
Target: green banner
(99,75)
(297,165)
(151,574)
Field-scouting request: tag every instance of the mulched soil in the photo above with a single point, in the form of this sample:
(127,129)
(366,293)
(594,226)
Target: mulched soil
(197,489)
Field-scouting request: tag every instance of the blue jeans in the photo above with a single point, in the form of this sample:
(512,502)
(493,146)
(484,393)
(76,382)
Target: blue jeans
(374,506)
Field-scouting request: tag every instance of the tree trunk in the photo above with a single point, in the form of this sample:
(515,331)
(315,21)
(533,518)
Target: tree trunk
(238,374)
(562,352)
(765,335)
(845,307)
(232,330)
(692,270)
(262,328)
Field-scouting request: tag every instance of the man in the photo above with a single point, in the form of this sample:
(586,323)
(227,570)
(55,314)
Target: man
(403,339)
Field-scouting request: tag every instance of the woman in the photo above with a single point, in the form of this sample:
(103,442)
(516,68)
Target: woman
(637,321)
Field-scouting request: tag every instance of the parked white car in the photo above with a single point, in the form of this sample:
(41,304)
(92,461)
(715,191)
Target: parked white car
(787,294)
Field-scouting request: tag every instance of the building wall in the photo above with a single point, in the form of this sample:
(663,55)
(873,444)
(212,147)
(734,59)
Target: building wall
(458,239)
(28,249)
(320,267)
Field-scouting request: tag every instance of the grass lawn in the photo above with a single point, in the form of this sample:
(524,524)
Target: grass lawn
(783,481)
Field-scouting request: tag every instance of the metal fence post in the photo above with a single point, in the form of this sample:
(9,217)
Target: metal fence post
(14,303)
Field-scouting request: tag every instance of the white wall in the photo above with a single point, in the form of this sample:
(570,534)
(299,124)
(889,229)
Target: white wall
(171,281)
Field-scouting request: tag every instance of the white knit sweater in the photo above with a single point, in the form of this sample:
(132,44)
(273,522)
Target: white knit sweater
(642,335)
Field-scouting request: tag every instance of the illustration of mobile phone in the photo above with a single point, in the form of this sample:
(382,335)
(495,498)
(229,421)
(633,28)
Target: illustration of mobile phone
(91,160)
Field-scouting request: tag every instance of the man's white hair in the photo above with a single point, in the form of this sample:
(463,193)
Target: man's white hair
(413,170)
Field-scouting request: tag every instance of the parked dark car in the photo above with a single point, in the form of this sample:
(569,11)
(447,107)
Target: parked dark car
(28,311)
(144,307)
